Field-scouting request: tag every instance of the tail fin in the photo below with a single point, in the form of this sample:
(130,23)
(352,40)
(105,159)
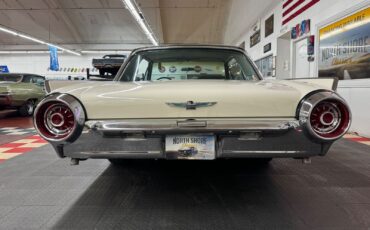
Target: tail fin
(53,85)
(327,83)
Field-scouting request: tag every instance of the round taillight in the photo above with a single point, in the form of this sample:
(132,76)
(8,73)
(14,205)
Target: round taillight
(329,119)
(55,120)
(59,119)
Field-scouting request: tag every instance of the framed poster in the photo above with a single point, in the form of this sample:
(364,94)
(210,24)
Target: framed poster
(255,38)
(267,48)
(269,26)
(344,50)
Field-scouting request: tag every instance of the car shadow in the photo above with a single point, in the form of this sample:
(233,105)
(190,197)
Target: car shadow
(148,194)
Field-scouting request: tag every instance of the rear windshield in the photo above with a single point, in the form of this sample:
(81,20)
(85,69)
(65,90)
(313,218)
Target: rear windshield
(11,78)
(188,64)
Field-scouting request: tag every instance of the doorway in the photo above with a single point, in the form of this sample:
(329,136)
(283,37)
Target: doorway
(301,64)
(283,54)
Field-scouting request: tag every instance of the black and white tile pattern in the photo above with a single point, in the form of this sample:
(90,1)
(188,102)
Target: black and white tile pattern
(16,131)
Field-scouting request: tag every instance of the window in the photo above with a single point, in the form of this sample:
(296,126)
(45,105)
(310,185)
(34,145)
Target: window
(142,70)
(34,79)
(40,81)
(265,65)
(9,77)
(188,64)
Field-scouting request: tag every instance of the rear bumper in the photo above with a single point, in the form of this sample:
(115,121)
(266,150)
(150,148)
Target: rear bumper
(235,138)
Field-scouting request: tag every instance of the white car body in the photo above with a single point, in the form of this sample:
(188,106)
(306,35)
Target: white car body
(257,118)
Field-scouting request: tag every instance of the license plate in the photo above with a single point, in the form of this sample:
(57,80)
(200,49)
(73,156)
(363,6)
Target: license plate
(197,147)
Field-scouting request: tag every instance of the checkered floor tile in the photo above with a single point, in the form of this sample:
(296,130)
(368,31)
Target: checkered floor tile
(362,140)
(15,148)
(16,131)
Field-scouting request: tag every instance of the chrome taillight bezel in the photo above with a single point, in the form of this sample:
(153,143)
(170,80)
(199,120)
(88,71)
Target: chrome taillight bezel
(311,101)
(69,102)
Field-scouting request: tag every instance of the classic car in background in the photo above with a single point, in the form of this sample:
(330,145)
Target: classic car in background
(109,65)
(21,91)
(208,97)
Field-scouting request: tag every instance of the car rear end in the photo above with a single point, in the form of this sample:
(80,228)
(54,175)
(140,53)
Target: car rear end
(322,117)
(227,119)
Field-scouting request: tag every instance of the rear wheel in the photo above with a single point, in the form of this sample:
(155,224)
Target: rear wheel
(27,109)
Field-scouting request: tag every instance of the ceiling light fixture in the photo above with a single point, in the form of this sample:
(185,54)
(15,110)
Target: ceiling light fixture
(125,52)
(22,35)
(139,17)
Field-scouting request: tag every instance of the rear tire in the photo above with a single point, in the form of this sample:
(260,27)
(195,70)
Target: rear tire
(27,109)
(116,161)
(264,161)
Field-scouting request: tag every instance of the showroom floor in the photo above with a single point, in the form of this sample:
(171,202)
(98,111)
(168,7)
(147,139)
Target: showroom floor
(38,190)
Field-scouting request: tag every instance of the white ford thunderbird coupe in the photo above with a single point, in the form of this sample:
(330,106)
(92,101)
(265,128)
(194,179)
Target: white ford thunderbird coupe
(191,102)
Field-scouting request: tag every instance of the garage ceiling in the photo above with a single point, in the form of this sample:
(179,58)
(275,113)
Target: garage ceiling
(70,21)
(192,21)
(81,22)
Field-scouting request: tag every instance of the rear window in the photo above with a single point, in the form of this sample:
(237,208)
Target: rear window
(10,78)
(179,64)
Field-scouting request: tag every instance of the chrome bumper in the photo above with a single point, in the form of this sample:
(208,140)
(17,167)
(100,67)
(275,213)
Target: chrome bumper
(235,138)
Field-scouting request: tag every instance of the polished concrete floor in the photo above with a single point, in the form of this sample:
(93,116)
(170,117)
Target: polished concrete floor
(40,191)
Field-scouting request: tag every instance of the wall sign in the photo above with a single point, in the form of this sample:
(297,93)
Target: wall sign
(301,29)
(4,69)
(267,48)
(344,50)
(311,45)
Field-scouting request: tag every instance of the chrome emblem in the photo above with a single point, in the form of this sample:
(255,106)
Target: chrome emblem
(191,105)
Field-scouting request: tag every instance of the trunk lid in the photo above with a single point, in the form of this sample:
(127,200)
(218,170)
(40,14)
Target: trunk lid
(233,99)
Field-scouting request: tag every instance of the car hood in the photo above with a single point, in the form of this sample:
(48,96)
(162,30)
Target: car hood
(231,99)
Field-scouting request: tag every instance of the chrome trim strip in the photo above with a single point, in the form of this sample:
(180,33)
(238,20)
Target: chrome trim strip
(254,151)
(47,86)
(123,152)
(173,125)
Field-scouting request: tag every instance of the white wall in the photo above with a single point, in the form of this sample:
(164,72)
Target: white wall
(39,63)
(356,92)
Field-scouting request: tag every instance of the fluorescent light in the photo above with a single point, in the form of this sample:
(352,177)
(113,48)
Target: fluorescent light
(139,17)
(25,36)
(82,51)
(8,31)
(23,52)
(105,51)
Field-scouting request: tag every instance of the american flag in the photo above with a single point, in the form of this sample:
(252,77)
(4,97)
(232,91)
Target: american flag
(293,8)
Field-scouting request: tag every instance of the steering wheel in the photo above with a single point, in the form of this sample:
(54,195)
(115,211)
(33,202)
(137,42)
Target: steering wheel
(168,78)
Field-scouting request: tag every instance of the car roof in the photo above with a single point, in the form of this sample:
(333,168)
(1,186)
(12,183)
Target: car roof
(194,46)
(20,74)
